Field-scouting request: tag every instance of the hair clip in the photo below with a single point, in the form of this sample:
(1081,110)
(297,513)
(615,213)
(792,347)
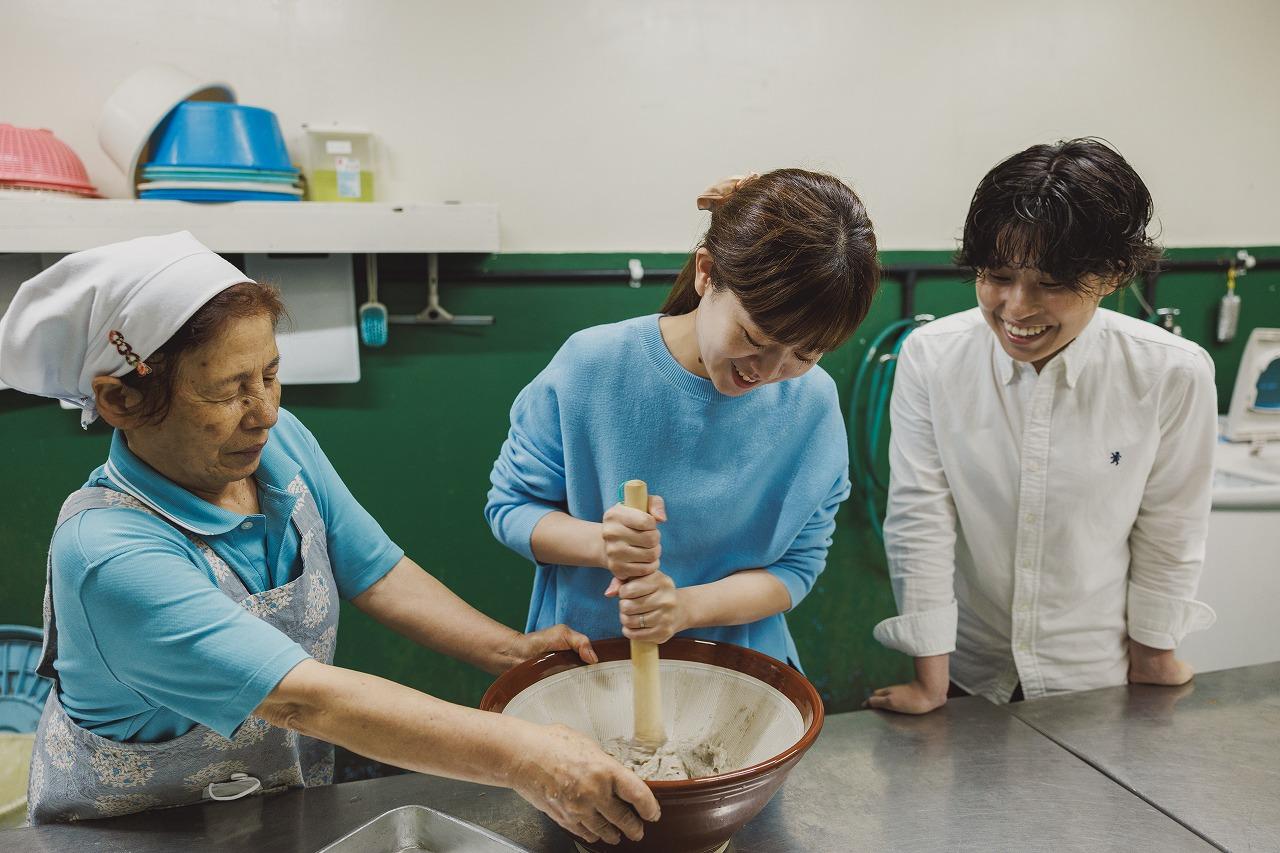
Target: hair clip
(715,195)
(131,358)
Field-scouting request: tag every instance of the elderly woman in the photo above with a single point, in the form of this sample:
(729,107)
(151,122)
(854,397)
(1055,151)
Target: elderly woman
(193,581)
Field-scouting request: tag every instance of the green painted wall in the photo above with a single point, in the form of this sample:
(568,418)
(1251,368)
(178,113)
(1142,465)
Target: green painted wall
(416,437)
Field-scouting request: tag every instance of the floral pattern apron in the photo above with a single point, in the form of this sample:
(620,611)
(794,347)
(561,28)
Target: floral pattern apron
(76,774)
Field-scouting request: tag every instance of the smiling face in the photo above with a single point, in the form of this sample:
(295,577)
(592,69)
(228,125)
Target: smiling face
(225,400)
(736,356)
(1033,316)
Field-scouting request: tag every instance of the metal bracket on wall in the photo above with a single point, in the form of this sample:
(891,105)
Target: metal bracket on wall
(435,314)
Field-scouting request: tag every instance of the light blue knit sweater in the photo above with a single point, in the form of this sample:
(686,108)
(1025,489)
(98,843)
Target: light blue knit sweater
(749,482)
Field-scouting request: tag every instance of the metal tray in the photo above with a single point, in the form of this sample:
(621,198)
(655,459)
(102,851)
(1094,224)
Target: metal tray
(410,828)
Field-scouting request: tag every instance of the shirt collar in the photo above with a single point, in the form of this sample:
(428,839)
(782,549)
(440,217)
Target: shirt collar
(130,474)
(1073,358)
(1005,366)
(1077,353)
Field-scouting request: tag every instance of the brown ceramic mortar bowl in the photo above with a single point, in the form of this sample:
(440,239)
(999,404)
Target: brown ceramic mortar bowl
(698,815)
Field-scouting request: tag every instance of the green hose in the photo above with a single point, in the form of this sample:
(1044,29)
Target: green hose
(875,374)
(867,360)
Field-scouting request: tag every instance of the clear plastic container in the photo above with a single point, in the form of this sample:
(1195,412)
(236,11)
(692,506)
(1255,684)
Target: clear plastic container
(341,162)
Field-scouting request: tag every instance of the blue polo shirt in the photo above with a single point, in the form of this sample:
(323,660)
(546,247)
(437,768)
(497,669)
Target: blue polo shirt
(148,646)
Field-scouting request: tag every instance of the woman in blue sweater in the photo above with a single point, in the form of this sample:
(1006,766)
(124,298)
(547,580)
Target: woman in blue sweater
(718,404)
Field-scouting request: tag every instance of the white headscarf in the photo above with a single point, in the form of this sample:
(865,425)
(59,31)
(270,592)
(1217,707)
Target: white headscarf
(103,312)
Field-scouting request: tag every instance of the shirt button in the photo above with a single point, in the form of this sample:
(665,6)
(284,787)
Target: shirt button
(1030,519)
(1022,647)
(1033,465)
(248,525)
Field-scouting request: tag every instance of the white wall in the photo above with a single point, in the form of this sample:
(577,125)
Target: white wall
(593,124)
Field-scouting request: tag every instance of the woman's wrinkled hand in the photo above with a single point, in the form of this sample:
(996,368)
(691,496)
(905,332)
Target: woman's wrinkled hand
(554,639)
(569,777)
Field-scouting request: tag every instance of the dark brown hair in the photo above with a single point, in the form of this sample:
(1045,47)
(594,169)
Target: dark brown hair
(1069,210)
(240,301)
(798,251)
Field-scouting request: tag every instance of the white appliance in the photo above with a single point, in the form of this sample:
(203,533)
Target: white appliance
(1241,579)
(1255,401)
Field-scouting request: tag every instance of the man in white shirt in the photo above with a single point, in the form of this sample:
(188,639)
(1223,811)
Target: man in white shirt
(1051,462)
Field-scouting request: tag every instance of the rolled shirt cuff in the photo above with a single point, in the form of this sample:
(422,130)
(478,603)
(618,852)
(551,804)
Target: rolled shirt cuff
(517,527)
(797,589)
(921,634)
(1161,621)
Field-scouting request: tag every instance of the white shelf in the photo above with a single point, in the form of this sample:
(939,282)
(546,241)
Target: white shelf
(57,225)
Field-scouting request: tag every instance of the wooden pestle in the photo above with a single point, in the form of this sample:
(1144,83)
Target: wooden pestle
(646,687)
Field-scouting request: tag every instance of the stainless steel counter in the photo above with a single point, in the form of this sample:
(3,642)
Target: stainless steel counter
(968,777)
(1207,753)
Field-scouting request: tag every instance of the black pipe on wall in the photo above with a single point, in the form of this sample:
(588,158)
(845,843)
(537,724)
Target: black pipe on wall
(908,275)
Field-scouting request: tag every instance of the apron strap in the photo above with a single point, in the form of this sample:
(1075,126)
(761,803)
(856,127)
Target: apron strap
(76,503)
(93,497)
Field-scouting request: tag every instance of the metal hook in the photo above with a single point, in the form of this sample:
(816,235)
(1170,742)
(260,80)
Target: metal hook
(636,269)
(435,314)
(1244,262)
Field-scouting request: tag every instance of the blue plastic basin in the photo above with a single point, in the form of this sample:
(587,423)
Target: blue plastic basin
(22,692)
(208,133)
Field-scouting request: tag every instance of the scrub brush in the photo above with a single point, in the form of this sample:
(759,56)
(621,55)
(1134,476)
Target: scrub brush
(373,314)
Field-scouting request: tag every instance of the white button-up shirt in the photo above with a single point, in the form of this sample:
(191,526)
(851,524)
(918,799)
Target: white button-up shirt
(1036,522)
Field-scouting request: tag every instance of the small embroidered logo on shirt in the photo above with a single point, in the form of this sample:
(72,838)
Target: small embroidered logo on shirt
(1115,457)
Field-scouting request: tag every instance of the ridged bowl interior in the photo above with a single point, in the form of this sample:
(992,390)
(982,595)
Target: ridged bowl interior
(700,702)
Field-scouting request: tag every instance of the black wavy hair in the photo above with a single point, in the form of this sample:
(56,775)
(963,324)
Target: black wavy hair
(1070,210)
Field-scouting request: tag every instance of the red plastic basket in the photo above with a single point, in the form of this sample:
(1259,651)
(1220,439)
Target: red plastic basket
(37,158)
